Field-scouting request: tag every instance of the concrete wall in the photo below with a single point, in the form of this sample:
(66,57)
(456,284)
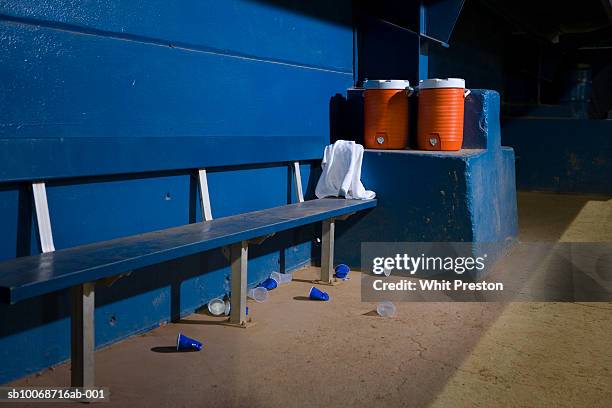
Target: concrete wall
(464,196)
(156,69)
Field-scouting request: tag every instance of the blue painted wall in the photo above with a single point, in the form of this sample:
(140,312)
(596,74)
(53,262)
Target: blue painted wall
(158,69)
(561,154)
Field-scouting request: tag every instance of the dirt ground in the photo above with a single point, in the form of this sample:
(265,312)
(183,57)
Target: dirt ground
(341,354)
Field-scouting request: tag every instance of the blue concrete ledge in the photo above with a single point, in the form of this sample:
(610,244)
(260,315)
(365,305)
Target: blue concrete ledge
(465,196)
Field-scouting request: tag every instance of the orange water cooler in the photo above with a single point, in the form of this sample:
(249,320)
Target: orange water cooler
(386,114)
(440,118)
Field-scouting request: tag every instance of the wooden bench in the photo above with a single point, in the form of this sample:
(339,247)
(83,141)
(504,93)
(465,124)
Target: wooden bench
(80,268)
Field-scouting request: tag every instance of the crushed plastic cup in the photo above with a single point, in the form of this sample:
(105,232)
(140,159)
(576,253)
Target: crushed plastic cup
(216,307)
(342,271)
(385,309)
(269,284)
(281,278)
(317,294)
(258,294)
(184,343)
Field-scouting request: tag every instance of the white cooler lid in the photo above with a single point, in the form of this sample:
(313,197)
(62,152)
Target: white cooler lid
(442,83)
(386,84)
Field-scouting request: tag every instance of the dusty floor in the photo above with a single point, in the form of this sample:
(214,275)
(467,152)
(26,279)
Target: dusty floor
(339,353)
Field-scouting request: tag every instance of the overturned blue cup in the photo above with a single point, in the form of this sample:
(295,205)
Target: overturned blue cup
(184,343)
(269,284)
(316,294)
(342,271)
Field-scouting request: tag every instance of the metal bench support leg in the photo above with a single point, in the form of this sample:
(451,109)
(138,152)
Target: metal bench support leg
(327,251)
(238,258)
(82,335)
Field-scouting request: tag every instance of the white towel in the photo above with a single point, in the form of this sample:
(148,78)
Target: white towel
(341,175)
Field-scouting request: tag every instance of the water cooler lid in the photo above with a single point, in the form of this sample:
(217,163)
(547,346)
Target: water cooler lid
(442,83)
(386,84)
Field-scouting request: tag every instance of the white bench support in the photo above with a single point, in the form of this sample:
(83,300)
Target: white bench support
(82,299)
(298,182)
(327,251)
(204,196)
(239,253)
(42,217)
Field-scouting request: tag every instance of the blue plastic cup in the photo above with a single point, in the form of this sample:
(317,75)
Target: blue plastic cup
(184,343)
(269,284)
(342,271)
(316,294)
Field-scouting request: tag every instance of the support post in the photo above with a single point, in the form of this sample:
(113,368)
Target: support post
(327,251)
(82,335)
(204,196)
(238,259)
(298,182)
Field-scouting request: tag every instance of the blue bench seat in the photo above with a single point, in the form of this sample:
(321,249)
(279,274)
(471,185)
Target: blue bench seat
(26,277)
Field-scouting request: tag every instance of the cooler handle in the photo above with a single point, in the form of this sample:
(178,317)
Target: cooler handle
(466,93)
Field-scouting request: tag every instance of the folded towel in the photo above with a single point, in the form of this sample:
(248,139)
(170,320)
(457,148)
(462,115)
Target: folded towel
(341,175)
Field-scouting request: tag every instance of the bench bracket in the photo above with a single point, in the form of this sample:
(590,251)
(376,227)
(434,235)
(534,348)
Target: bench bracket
(344,217)
(226,250)
(204,196)
(298,182)
(110,281)
(260,240)
(42,217)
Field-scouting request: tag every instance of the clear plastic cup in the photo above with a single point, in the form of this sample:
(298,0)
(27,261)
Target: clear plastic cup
(258,294)
(385,309)
(281,278)
(216,307)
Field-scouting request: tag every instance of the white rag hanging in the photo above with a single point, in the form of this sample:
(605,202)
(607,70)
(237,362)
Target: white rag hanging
(341,175)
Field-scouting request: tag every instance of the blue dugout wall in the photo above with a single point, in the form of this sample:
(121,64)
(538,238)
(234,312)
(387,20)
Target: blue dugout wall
(195,68)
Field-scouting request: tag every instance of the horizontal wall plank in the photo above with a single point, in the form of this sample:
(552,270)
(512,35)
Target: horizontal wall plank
(59,84)
(316,33)
(49,158)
